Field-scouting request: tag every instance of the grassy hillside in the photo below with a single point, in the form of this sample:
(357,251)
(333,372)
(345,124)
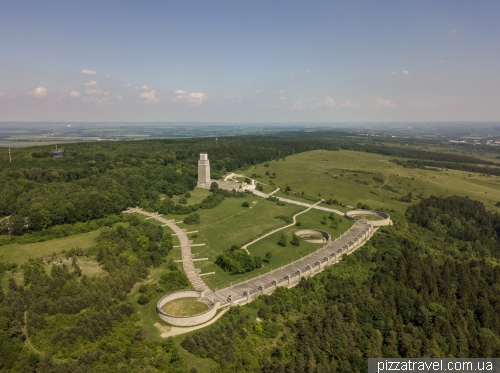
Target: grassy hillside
(353,177)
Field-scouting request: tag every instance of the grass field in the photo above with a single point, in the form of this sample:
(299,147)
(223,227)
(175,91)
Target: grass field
(184,307)
(354,177)
(197,196)
(231,224)
(280,255)
(367,217)
(20,253)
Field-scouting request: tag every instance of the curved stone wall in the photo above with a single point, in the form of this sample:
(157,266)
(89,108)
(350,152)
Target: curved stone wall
(185,320)
(384,219)
(302,232)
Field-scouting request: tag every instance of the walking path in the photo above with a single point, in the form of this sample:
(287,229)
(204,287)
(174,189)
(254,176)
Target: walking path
(264,195)
(30,345)
(289,275)
(232,176)
(244,247)
(187,260)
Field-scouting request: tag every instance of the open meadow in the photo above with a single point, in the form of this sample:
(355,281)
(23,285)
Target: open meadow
(20,253)
(352,177)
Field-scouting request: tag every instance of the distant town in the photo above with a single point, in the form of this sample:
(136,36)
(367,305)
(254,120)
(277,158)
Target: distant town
(21,134)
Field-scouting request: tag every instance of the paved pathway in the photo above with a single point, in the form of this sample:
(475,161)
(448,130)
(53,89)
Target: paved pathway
(290,274)
(264,195)
(187,260)
(232,176)
(244,247)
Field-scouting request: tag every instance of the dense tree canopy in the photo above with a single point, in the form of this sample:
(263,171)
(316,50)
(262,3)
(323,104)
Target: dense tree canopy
(410,292)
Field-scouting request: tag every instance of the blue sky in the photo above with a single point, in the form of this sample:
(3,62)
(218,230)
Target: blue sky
(249,61)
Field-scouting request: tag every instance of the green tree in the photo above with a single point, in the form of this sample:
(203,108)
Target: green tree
(143,299)
(143,242)
(282,241)
(295,240)
(192,219)
(245,204)
(214,186)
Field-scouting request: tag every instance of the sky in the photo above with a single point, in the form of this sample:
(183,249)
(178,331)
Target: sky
(243,61)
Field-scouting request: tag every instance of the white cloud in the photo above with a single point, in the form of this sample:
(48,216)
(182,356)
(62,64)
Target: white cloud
(39,92)
(90,84)
(393,73)
(118,97)
(350,105)
(108,76)
(128,85)
(88,72)
(442,61)
(453,32)
(75,94)
(299,106)
(257,91)
(405,72)
(195,98)
(385,103)
(96,92)
(149,96)
(282,98)
(3,94)
(329,102)
(143,88)
(98,101)
(280,91)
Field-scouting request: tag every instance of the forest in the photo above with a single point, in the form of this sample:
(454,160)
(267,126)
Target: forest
(95,180)
(415,290)
(426,287)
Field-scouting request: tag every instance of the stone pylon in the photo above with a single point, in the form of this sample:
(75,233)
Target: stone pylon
(203,170)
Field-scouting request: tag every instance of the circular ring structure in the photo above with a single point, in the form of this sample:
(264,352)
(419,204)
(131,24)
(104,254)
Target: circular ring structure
(185,320)
(315,232)
(379,218)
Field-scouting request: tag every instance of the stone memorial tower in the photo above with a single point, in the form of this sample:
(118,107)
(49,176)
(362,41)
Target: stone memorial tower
(203,170)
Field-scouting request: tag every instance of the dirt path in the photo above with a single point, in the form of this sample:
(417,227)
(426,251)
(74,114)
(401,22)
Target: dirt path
(30,345)
(27,341)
